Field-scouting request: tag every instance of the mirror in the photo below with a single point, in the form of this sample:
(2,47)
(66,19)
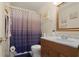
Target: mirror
(68,16)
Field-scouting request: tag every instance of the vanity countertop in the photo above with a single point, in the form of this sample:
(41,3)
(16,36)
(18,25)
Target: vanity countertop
(69,42)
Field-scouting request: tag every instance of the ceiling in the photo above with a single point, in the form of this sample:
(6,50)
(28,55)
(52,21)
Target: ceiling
(30,5)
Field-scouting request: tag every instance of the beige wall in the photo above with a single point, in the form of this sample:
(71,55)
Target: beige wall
(4,43)
(49,22)
(2,21)
(47,18)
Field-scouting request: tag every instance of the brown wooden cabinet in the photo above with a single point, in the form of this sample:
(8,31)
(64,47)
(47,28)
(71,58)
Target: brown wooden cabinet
(53,49)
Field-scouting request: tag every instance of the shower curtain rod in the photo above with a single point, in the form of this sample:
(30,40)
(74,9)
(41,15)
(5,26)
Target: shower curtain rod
(17,8)
(10,6)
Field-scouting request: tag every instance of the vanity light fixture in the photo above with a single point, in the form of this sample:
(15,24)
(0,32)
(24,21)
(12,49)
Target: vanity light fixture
(57,3)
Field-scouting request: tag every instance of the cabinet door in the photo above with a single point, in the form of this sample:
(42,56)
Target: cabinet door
(52,53)
(44,52)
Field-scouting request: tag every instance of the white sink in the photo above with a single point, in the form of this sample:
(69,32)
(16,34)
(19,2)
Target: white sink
(70,41)
(65,40)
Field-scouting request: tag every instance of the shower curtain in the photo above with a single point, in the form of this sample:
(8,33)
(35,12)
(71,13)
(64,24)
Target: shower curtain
(25,29)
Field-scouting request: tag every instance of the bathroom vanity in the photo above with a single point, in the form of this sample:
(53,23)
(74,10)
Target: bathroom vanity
(51,48)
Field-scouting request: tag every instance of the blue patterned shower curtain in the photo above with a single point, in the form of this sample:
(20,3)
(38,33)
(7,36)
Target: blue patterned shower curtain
(25,29)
